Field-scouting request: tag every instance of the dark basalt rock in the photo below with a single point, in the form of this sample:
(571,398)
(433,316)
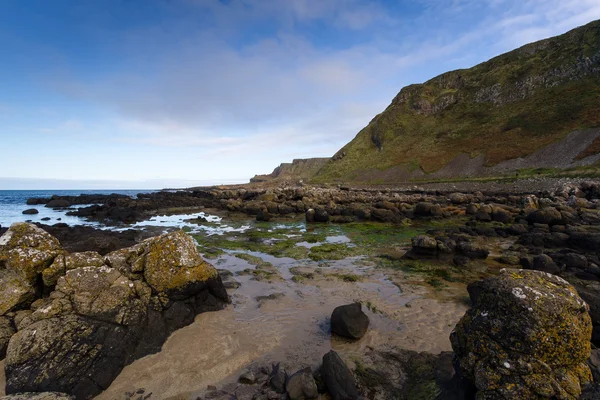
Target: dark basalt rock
(349,321)
(31,211)
(338,377)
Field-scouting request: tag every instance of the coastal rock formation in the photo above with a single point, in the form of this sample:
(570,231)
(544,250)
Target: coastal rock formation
(298,169)
(527,336)
(103,313)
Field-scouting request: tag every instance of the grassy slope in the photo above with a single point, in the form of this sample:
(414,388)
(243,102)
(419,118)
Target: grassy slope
(521,122)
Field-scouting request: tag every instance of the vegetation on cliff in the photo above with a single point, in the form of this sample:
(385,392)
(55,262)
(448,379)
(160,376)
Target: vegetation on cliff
(507,107)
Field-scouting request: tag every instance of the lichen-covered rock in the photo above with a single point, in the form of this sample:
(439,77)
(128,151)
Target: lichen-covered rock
(28,250)
(101,317)
(14,291)
(526,337)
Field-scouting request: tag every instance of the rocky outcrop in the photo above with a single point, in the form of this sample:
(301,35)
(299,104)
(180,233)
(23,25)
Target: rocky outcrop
(527,336)
(103,313)
(298,169)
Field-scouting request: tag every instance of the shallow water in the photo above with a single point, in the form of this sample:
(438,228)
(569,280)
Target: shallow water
(292,329)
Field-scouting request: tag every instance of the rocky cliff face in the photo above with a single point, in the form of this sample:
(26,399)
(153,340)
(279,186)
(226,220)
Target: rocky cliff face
(299,169)
(504,109)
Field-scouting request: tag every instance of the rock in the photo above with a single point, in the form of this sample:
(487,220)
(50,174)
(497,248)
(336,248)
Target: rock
(301,385)
(544,263)
(277,378)
(101,318)
(58,203)
(471,209)
(263,215)
(349,321)
(6,332)
(548,215)
(501,215)
(38,396)
(483,216)
(27,250)
(31,211)
(247,378)
(310,215)
(424,245)
(459,198)
(321,215)
(472,250)
(526,336)
(338,377)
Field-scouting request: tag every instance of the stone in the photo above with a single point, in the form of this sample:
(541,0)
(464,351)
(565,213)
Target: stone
(6,332)
(101,318)
(27,250)
(424,245)
(301,385)
(31,211)
(349,321)
(338,377)
(277,378)
(38,396)
(247,378)
(310,215)
(548,215)
(321,215)
(58,203)
(543,262)
(526,336)
(472,250)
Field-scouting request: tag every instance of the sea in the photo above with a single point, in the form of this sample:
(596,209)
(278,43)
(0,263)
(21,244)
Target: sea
(14,202)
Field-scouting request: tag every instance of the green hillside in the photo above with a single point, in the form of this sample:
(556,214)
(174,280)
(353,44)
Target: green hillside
(507,107)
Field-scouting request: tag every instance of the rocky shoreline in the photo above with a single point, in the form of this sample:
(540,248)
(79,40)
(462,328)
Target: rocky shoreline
(548,234)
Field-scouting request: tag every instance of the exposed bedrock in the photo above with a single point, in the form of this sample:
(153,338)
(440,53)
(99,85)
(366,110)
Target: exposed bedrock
(81,317)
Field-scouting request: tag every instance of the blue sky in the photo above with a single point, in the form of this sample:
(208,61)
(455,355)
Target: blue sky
(179,92)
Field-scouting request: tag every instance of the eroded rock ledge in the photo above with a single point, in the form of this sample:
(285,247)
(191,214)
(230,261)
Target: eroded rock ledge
(80,318)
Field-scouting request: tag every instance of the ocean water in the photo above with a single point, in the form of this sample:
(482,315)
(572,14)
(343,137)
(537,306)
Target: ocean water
(14,202)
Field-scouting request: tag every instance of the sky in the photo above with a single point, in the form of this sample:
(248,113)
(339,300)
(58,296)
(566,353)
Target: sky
(172,93)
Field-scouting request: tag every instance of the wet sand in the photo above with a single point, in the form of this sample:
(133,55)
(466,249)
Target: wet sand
(293,330)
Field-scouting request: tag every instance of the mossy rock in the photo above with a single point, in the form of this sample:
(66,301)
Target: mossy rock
(527,336)
(28,250)
(172,263)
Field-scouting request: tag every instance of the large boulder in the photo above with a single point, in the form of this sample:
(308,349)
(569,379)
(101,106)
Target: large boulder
(349,321)
(100,318)
(527,336)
